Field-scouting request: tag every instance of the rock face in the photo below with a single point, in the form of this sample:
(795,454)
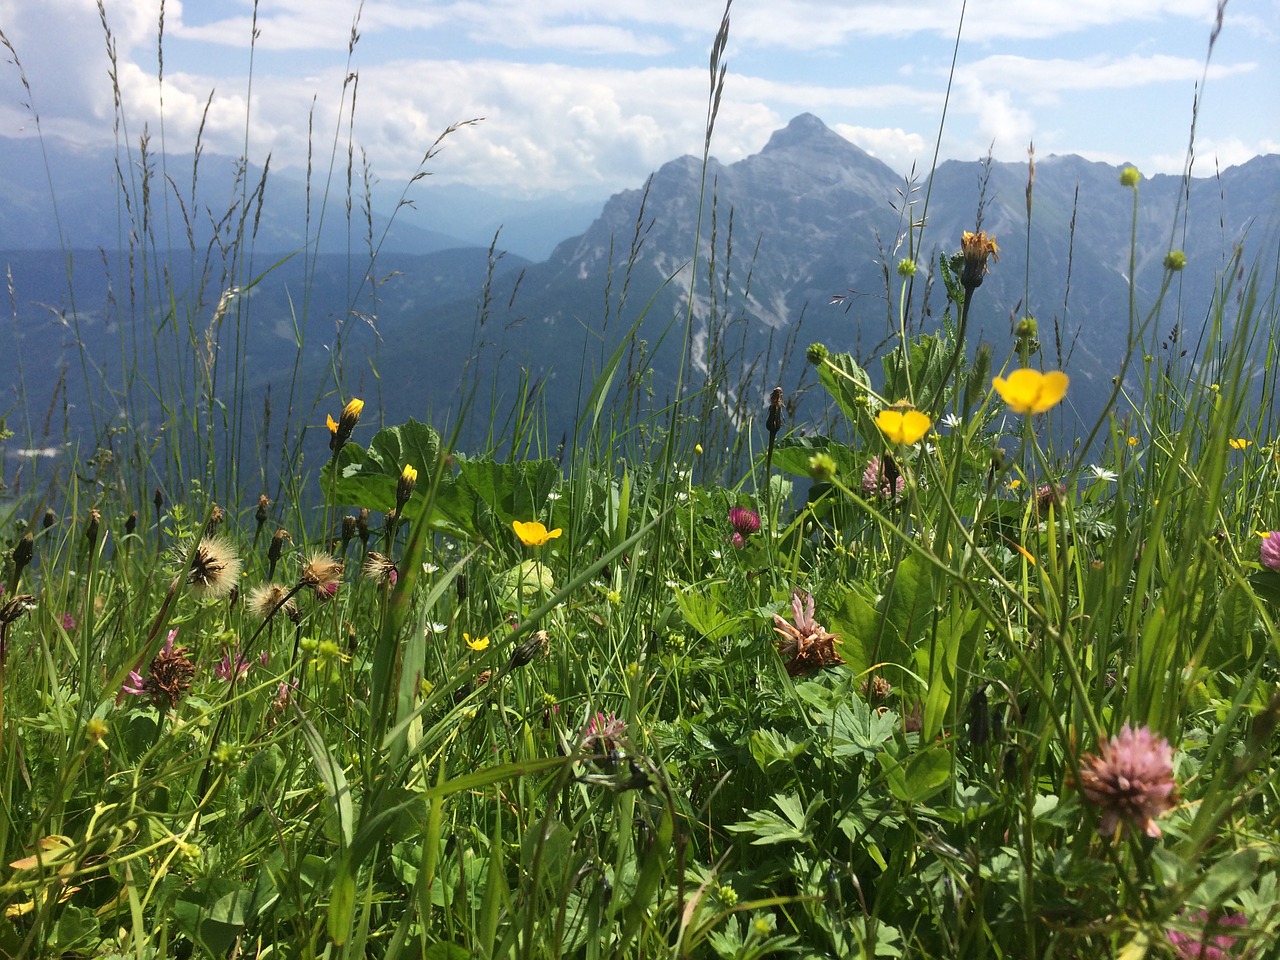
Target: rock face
(734,274)
(810,230)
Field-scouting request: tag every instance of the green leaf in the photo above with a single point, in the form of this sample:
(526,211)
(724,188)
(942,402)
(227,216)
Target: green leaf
(792,454)
(331,777)
(846,382)
(923,775)
(369,478)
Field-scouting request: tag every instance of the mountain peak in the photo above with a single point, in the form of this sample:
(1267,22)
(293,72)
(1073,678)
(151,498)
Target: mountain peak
(804,130)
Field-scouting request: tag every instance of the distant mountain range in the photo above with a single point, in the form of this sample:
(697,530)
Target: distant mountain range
(808,219)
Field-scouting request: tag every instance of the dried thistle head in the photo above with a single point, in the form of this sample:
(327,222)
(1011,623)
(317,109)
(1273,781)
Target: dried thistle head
(264,504)
(322,573)
(217,516)
(214,568)
(268,598)
(381,568)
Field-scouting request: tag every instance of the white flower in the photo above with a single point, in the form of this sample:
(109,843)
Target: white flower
(429,568)
(1101,473)
(553,495)
(951,421)
(433,627)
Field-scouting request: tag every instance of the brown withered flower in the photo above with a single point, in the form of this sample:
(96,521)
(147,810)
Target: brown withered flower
(976,249)
(168,679)
(803,642)
(260,516)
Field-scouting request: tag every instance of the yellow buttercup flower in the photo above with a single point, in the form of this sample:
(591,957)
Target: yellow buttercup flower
(477,644)
(533,533)
(1133,441)
(1030,391)
(1238,443)
(903,426)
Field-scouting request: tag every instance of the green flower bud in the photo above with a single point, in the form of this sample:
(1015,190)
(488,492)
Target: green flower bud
(822,467)
(816,353)
(906,267)
(1175,260)
(1026,328)
(1129,177)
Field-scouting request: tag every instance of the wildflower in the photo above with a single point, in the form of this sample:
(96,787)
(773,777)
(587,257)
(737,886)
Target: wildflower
(605,732)
(362,527)
(745,522)
(322,573)
(817,353)
(1030,391)
(1132,441)
(1213,943)
(478,644)
(433,626)
(1101,473)
(381,568)
(951,421)
(267,598)
(168,678)
(1270,550)
(340,431)
(804,643)
(233,665)
(284,695)
(1239,443)
(404,486)
(1130,176)
(1050,495)
(1131,779)
(95,729)
(976,249)
(882,478)
(903,426)
(214,568)
(533,533)
(68,622)
(906,267)
(260,516)
(1175,260)
(876,689)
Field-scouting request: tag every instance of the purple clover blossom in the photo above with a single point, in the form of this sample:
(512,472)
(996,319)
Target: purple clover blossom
(1270,550)
(68,622)
(604,731)
(1213,942)
(745,522)
(1131,780)
(882,479)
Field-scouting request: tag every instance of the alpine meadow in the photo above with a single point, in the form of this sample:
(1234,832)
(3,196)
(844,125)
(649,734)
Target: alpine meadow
(794,559)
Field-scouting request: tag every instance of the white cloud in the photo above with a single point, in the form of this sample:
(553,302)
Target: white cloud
(1030,76)
(892,145)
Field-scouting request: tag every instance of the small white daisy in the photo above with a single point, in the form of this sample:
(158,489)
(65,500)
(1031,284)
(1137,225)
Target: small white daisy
(1101,473)
(951,421)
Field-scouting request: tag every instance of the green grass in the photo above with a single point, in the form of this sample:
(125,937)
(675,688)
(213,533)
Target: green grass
(597,746)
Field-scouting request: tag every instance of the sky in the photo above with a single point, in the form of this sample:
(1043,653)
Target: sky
(583,98)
